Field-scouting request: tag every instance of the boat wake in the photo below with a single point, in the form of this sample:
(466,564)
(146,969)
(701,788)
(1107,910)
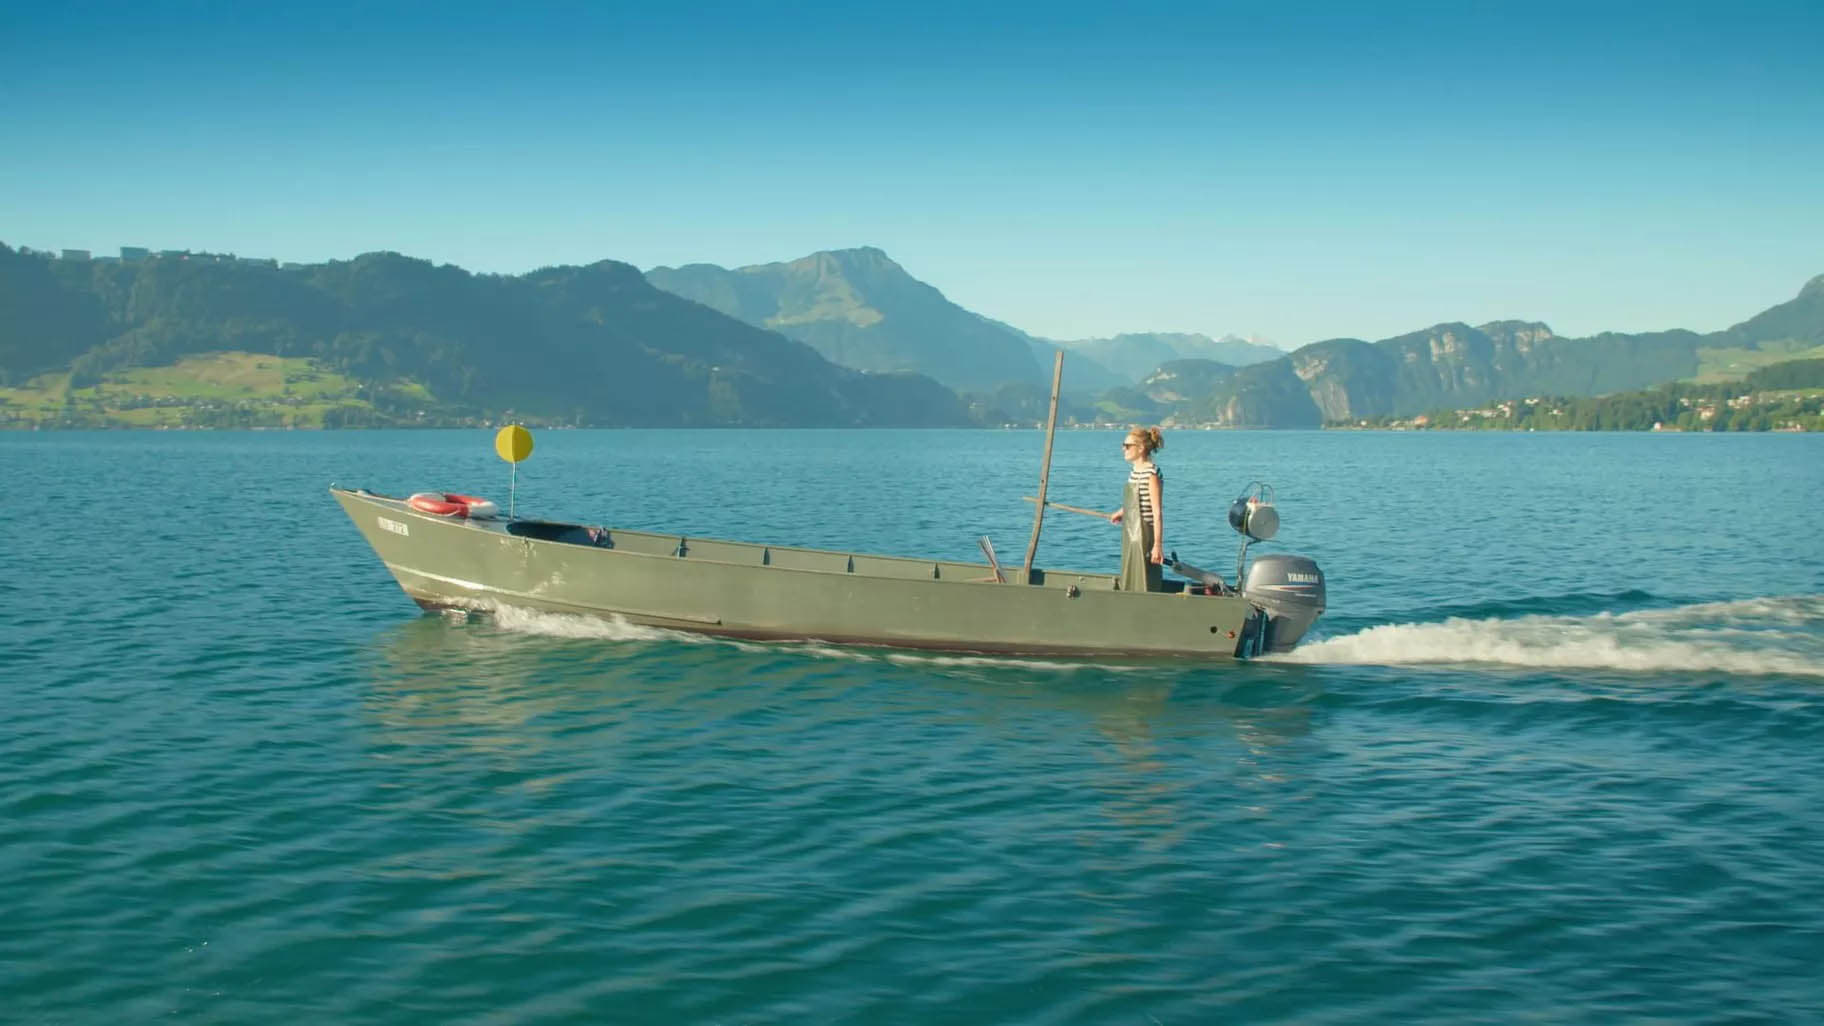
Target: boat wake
(568,625)
(1760,636)
(518,620)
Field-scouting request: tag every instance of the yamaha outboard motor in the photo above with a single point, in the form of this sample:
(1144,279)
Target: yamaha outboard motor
(1288,590)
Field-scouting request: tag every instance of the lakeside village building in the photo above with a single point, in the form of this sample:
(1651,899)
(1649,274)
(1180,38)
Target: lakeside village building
(141,254)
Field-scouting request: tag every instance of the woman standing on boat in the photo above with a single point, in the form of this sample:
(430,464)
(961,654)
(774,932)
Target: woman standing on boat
(1142,511)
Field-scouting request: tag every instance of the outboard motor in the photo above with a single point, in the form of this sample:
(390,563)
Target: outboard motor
(1289,590)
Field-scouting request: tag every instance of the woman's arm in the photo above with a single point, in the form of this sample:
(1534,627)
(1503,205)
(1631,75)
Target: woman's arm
(1157,487)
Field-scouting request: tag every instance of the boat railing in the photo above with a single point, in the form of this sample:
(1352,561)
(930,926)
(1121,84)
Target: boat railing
(785,557)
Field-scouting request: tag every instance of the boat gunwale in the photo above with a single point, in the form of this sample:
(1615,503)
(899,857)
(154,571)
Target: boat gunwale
(717,629)
(1064,578)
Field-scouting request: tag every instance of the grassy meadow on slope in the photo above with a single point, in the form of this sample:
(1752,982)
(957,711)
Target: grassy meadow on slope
(1733,363)
(231,389)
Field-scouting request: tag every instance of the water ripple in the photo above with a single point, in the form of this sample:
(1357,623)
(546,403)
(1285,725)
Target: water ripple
(244,780)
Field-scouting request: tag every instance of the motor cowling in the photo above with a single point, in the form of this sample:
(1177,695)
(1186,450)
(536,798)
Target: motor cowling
(1290,591)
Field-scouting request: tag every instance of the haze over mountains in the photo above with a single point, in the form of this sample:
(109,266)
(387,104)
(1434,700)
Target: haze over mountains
(836,338)
(1132,356)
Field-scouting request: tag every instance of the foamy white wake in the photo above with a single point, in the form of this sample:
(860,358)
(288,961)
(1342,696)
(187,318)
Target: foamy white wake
(566,625)
(1776,635)
(943,661)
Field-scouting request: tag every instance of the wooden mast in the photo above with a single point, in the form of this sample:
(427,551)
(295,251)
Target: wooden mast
(1051,430)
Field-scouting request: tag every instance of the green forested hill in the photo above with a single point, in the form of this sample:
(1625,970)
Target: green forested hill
(581,345)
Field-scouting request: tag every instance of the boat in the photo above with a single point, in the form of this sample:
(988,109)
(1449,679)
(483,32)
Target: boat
(453,551)
(768,592)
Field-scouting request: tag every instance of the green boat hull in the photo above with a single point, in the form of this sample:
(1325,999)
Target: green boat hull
(745,590)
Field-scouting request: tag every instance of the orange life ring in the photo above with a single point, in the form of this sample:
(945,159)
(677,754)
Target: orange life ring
(449,504)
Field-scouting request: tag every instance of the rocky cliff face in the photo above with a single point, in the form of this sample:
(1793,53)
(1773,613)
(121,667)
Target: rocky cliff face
(1344,377)
(1179,381)
(1267,395)
(1455,365)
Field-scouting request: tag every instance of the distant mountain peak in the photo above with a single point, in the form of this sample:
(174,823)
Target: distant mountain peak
(1536,329)
(1814,287)
(860,309)
(859,258)
(864,252)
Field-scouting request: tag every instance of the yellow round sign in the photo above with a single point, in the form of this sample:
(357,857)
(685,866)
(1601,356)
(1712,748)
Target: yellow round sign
(514,443)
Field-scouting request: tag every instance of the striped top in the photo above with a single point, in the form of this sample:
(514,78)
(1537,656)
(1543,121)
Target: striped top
(1139,477)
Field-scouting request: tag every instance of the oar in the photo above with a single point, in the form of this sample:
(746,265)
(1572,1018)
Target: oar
(1098,514)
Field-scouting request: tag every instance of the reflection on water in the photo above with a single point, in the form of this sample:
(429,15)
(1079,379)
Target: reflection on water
(491,684)
(533,708)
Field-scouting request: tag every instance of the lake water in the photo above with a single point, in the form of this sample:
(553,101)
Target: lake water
(1556,755)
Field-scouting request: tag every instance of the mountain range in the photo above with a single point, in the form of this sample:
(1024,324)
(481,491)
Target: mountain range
(861,309)
(1456,365)
(845,337)
(586,345)
(1134,356)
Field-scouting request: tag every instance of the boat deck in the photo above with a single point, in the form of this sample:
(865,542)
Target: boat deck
(785,557)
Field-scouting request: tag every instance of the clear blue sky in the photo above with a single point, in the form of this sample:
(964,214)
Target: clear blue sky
(1296,171)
